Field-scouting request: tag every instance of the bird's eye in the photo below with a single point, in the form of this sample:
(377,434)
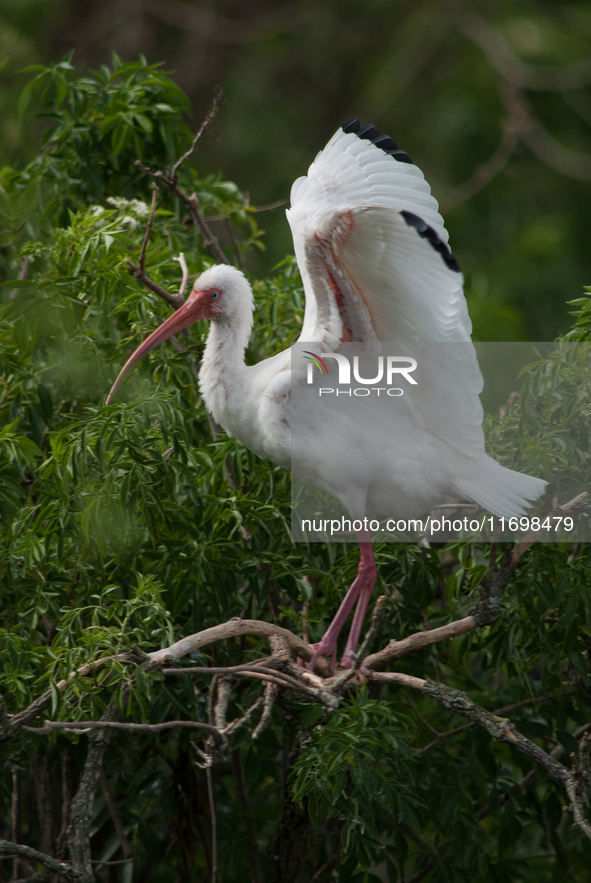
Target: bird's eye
(214,294)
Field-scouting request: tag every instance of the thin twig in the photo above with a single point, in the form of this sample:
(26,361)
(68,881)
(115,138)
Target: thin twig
(185,271)
(149,225)
(50,726)
(16,815)
(174,300)
(259,208)
(218,101)
(214,825)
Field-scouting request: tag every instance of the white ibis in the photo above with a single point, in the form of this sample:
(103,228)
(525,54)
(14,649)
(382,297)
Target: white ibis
(375,264)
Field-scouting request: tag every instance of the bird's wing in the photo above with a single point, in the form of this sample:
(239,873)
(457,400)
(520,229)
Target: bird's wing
(372,250)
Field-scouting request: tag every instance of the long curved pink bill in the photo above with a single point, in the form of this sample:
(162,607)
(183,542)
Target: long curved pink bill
(181,319)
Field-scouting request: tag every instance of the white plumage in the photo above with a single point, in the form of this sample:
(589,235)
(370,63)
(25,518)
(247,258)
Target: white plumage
(372,251)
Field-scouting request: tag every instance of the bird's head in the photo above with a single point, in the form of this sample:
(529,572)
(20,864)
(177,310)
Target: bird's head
(221,293)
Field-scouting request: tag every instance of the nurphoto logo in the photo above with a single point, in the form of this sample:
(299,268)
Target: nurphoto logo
(399,366)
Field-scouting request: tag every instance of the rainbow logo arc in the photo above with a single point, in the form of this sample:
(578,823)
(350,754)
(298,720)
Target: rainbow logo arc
(316,360)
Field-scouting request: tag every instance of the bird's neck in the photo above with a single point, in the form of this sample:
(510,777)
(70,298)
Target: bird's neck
(223,371)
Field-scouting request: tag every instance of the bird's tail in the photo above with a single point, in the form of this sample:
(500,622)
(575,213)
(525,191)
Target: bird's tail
(502,491)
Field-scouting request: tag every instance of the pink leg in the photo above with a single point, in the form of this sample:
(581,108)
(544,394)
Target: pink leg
(361,588)
(362,603)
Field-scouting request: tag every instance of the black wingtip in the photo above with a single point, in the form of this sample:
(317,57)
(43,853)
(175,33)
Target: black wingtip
(369,133)
(352,126)
(428,233)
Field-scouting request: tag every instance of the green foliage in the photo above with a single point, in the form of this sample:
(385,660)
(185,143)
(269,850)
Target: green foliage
(355,767)
(100,124)
(582,327)
(119,527)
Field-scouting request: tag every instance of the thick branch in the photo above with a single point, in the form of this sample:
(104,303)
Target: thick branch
(397,649)
(501,729)
(64,872)
(82,805)
(231,629)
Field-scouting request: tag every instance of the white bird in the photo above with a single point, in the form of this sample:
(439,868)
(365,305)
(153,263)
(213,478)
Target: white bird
(376,268)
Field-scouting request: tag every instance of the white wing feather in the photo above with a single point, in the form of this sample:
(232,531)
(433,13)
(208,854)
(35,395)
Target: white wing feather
(347,224)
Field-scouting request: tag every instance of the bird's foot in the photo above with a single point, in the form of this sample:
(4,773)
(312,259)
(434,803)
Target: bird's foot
(349,660)
(323,648)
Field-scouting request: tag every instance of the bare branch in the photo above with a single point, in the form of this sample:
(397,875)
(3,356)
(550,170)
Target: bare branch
(185,271)
(193,205)
(80,726)
(231,629)
(269,696)
(82,806)
(218,101)
(258,208)
(175,300)
(64,872)
(536,700)
(397,649)
(502,730)
(149,225)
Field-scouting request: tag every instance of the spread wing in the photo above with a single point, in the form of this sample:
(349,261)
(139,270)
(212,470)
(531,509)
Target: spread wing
(376,267)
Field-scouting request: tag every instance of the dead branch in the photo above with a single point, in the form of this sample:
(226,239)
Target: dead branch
(193,206)
(505,710)
(502,730)
(398,649)
(218,101)
(185,272)
(269,696)
(149,225)
(64,872)
(233,628)
(175,300)
(81,726)
(82,806)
